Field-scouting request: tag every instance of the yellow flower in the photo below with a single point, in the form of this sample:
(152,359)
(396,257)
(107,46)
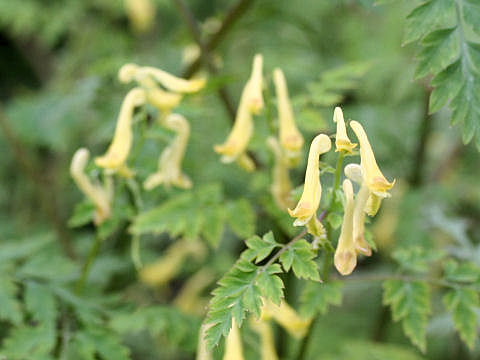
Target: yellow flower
(100,195)
(130,72)
(281,185)
(373,177)
(251,102)
(290,138)
(141,14)
(312,189)
(286,317)
(169,165)
(345,258)
(264,330)
(203,353)
(354,173)
(167,267)
(342,142)
(117,153)
(188,299)
(233,344)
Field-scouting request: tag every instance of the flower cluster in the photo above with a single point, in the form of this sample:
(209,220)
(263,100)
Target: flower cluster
(163,91)
(373,187)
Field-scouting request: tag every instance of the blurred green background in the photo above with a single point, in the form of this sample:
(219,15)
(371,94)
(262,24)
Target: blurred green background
(59,91)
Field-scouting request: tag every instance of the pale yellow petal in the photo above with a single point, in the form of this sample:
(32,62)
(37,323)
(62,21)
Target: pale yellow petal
(233,344)
(312,189)
(290,137)
(267,341)
(286,317)
(118,151)
(141,14)
(345,258)
(281,187)
(361,244)
(203,352)
(342,142)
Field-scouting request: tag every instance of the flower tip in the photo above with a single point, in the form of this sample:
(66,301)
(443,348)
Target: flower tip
(127,73)
(337,114)
(322,143)
(345,262)
(79,161)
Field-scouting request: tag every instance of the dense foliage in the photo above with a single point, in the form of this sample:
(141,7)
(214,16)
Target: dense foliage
(167,235)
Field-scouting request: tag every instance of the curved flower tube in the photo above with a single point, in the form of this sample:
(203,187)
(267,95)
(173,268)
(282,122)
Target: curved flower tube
(117,153)
(251,102)
(233,344)
(281,185)
(345,258)
(312,189)
(168,266)
(189,299)
(286,317)
(130,72)
(203,353)
(267,341)
(290,137)
(342,142)
(170,161)
(101,196)
(373,177)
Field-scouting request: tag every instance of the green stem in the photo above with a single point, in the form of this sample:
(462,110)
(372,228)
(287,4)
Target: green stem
(88,264)
(338,176)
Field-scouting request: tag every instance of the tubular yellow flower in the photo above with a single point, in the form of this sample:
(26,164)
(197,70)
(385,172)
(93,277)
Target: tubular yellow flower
(141,14)
(354,173)
(203,353)
(188,299)
(117,153)
(342,142)
(264,330)
(233,344)
(290,138)
(372,175)
(169,165)
(286,317)
(281,185)
(101,196)
(312,189)
(130,72)
(164,269)
(345,258)
(251,102)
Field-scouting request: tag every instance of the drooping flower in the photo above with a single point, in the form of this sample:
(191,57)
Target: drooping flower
(169,165)
(373,177)
(312,189)
(189,299)
(286,317)
(251,102)
(116,156)
(141,14)
(100,195)
(203,352)
(168,266)
(342,142)
(130,72)
(281,185)
(354,173)
(345,258)
(267,341)
(290,137)
(233,344)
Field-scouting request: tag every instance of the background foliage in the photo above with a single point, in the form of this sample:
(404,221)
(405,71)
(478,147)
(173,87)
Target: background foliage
(416,298)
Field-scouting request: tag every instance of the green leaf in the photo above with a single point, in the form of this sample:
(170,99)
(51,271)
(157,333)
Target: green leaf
(241,218)
(410,303)
(429,16)
(317,297)
(440,49)
(192,213)
(299,257)
(40,303)
(83,213)
(271,285)
(29,342)
(471,13)
(416,259)
(446,85)
(260,248)
(465,272)
(335,220)
(9,306)
(463,303)
(106,343)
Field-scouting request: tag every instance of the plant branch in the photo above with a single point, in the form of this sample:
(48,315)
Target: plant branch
(88,264)
(229,20)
